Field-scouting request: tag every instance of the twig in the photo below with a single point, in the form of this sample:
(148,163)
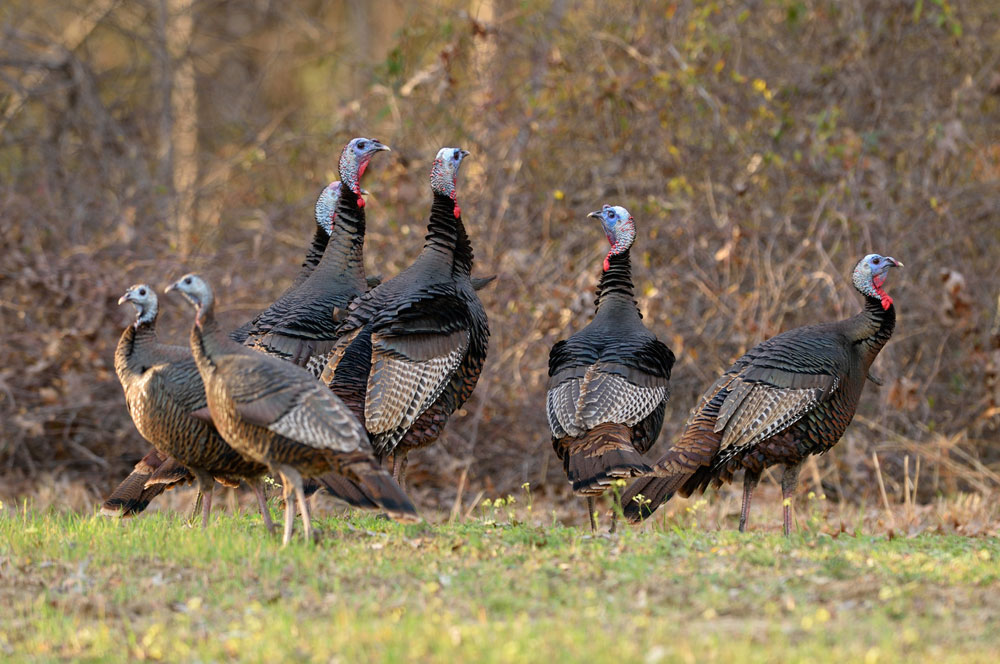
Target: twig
(456,508)
(881,488)
(907,502)
(472,505)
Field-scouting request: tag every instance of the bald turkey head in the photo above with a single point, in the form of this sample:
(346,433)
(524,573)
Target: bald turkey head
(143,298)
(619,227)
(196,291)
(444,174)
(870,274)
(354,160)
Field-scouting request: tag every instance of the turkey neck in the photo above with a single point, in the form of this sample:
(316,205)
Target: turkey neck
(872,327)
(135,344)
(344,249)
(447,243)
(314,255)
(616,282)
(207,338)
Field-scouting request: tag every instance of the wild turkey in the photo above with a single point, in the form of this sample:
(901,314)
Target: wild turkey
(791,396)
(609,382)
(278,414)
(165,396)
(302,323)
(163,472)
(325,210)
(412,348)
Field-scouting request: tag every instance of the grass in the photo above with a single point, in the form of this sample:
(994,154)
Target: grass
(81,586)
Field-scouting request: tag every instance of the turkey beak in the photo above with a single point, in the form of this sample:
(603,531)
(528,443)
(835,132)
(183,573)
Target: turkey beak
(123,299)
(465,153)
(595,215)
(171,287)
(894,263)
(379,147)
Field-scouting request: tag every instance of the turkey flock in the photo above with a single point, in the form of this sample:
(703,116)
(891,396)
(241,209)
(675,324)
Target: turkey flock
(343,371)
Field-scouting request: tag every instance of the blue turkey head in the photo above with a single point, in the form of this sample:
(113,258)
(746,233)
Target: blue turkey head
(143,298)
(354,160)
(444,173)
(619,227)
(326,206)
(870,274)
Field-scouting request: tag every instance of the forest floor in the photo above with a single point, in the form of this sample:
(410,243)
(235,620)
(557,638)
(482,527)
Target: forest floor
(507,583)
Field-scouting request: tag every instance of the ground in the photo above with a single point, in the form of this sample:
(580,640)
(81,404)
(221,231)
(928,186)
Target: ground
(507,584)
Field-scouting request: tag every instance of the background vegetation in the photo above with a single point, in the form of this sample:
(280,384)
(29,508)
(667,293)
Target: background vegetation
(762,147)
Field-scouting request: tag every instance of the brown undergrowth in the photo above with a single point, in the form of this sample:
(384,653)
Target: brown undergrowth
(762,150)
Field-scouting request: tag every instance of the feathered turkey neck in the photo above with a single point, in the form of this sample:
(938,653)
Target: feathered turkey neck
(446,237)
(326,208)
(873,326)
(206,337)
(137,336)
(315,252)
(616,280)
(343,256)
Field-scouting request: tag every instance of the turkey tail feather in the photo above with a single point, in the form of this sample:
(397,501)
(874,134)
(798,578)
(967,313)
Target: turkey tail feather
(341,488)
(602,455)
(654,491)
(154,473)
(376,482)
(131,497)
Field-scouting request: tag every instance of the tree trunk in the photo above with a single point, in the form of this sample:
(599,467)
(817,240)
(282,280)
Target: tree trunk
(183,121)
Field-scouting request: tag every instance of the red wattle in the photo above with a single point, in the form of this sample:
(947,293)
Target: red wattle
(458,211)
(607,263)
(882,295)
(361,202)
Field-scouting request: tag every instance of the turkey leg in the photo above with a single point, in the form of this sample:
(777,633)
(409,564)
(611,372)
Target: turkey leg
(258,490)
(592,512)
(750,480)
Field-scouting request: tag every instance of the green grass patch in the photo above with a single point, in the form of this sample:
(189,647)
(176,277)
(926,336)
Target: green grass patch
(152,588)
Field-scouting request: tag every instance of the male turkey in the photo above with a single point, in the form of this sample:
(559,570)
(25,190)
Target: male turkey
(301,324)
(412,348)
(609,382)
(277,414)
(165,398)
(791,396)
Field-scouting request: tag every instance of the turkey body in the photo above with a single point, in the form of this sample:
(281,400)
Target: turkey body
(165,397)
(787,398)
(609,382)
(612,372)
(278,415)
(413,348)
